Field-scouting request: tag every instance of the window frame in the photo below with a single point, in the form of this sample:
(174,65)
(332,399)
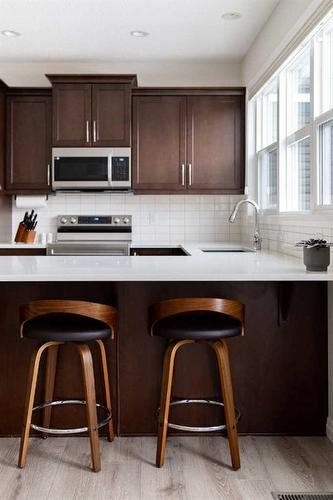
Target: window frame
(311,130)
(267,149)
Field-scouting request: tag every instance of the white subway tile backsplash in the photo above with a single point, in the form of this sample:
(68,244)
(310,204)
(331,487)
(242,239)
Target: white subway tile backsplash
(167,218)
(281,233)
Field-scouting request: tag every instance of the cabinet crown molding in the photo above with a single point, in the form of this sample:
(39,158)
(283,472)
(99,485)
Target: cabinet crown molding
(93,78)
(186,91)
(3,86)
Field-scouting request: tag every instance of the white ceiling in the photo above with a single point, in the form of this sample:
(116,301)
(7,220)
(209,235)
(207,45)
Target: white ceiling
(98,30)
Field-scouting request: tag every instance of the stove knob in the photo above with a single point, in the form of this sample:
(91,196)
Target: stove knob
(73,220)
(116,220)
(63,220)
(126,220)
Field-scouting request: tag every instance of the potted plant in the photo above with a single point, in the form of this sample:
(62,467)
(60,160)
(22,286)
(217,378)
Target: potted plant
(316,254)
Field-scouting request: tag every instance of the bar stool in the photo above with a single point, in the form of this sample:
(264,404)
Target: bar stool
(57,322)
(204,321)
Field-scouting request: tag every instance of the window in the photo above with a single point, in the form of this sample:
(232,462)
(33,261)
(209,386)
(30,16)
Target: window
(267,125)
(298,93)
(267,111)
(324,68)
(324,114)
(298,175)
(326,163)
(294,129)
(269,179)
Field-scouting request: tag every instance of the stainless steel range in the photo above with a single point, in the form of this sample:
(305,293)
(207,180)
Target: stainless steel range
(92,235)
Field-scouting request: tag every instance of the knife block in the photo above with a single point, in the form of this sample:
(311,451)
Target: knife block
(23,235)
(20,232)
(28,236)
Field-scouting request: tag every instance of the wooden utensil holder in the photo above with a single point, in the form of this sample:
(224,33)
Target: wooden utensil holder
(23,235)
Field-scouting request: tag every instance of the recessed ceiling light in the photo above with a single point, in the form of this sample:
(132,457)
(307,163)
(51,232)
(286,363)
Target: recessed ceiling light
(139,33)
(10,33)
(231,16)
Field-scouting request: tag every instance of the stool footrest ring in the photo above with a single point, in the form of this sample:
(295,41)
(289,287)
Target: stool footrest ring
(188,428)
(48,430)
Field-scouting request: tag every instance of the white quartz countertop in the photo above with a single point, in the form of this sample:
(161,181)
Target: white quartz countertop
(11,244)
(198,266)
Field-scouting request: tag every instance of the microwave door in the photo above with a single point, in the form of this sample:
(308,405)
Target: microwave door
(76,172)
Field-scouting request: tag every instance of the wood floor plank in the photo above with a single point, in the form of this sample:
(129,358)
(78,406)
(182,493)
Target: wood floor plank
(288,467)
(318,450)
(166,482)
(196,468)
(254,489)
(35,480)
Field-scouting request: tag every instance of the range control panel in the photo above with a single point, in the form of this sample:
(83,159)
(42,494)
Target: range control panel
(94,220)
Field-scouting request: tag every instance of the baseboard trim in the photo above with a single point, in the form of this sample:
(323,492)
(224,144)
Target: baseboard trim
(329,428)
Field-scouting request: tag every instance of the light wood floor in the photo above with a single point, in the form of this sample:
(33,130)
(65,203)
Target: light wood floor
(196,468)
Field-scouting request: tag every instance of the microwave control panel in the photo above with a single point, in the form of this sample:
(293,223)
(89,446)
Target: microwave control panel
(120,168)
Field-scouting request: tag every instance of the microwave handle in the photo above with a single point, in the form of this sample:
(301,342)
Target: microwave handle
(110,170)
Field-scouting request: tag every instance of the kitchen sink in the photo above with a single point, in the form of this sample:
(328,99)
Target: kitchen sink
(226,250)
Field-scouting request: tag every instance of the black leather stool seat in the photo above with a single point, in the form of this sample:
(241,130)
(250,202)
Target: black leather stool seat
(65,327)
(196,325)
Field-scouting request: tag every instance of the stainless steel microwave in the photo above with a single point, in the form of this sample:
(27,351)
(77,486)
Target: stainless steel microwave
(91,169)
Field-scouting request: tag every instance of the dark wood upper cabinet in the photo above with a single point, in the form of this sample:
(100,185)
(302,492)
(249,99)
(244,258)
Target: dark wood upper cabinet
(111,115)
(192,141)
(215,143)
(72,115)
(28,143)
(92,110)
(159,125)
(3,89)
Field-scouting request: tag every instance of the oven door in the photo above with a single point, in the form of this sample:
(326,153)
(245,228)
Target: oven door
(76,168)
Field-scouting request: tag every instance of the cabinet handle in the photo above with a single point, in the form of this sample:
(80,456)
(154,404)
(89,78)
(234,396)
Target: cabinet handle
(94,131)
(190,174)
(183,173)
(87,131)
(48,174)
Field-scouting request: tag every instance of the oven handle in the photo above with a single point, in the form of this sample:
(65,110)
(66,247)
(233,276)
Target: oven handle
(82,253)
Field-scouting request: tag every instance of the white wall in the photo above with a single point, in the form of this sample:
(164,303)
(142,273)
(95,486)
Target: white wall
(285,21)
(164,73)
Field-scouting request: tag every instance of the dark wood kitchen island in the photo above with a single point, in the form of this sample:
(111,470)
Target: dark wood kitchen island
(279,367)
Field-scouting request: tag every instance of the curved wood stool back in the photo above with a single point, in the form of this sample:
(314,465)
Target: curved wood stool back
(101,312)
(171,307)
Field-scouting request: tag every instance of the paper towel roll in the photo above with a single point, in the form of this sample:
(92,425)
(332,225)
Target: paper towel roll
(31,201)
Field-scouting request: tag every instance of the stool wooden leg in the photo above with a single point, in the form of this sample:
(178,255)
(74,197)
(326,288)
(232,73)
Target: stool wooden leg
(30,396)
(167,377)
(107,392)
(221,350)
(51,367)
(90,395)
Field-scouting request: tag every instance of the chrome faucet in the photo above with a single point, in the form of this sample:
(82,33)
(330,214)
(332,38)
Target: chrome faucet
(256,237)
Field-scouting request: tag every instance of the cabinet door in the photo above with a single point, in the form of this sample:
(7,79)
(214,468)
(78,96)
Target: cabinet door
(159,130)
(111,115)
(28,143)
(215,144)
(72,115)
(2,140)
